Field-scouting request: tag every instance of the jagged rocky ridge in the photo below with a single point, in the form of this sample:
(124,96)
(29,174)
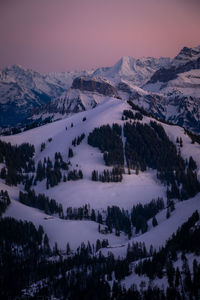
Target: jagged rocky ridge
(168,89)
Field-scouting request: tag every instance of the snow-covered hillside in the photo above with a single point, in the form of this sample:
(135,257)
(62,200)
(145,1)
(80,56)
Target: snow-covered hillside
(136,187)
(133,189)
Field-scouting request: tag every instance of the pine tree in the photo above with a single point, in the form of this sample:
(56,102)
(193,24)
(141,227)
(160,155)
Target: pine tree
(170,272)
(93,216)
(42,147)
(55,249)
(80,174)
(3,173)
(192,164)
(94,176)
(47,248)
(68,249)
(154,221)
(47,184)
(98,245)
(181,142)
(70,153)
(177,277)
(99,218)
(172,206)
(137,170)
(168,213)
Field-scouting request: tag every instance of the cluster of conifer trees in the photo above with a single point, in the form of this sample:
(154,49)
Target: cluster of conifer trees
(186,240)
(22,250)
(86,273)
(52,172)
(194,137)
(80,213)
(148,114)
(128,114)
(149,146)
(4,201)
(18,159)
(115,175)
(21,128)
(140,214)
(108,140)
(78,140)
(118,219)
(75,175)
(139,109)
(42,202)
(19,163)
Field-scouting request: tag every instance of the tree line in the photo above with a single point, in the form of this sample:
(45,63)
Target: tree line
(149,146)
(42,202)
(86,273)
(128,114)
(108,140)
(17,159)
(115,175)
(4,201)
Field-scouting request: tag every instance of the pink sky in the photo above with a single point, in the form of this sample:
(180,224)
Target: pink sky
(60,35)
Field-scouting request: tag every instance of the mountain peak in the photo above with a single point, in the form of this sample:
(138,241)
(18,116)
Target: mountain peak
(15,68)
(186,54)
(126,63)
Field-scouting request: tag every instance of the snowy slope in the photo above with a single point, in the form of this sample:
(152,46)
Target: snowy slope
(132,190)
(62,231)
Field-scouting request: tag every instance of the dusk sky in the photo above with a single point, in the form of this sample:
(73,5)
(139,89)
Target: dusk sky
(62,35)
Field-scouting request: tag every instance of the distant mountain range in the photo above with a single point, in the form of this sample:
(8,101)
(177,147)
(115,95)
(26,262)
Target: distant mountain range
(104,203)
(169,89)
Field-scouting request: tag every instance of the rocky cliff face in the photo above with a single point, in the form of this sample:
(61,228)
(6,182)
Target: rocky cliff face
(169,89)
(188,59)
(85,93)
(94,84)
(22,90)
(175,106)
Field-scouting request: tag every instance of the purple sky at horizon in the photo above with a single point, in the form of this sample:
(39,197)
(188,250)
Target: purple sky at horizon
(62,35)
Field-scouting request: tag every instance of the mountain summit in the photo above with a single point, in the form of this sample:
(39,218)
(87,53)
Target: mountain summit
(138,71)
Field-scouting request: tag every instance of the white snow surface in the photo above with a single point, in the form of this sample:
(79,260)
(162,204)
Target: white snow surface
(62,231)
(133,189)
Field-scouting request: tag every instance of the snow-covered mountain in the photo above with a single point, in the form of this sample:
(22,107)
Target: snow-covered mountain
(169,89)
(137,71)
(22,90)
(87,195)
(179,88)
(182,73)
(85,93)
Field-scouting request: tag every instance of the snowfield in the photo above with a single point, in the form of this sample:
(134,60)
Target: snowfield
(132,190)
(62,231)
